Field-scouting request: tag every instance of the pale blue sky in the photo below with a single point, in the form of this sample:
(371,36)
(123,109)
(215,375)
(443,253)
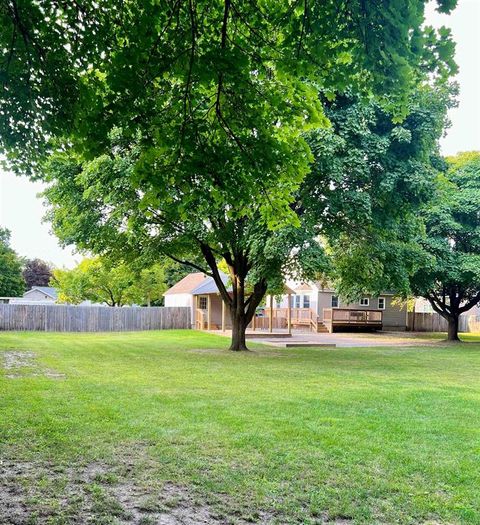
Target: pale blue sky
(21,211)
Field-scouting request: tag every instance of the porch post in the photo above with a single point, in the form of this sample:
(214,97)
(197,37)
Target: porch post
(270,317)
(289,315)
(223,314)
(209,312)
(195,317)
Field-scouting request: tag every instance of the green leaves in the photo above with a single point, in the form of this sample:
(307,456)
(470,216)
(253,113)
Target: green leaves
(113,283)
(12,283)
(190,128)
(369,179)
(452,238)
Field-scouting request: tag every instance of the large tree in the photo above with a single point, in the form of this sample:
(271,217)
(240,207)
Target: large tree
(11,280)
(450,277)
(188,118)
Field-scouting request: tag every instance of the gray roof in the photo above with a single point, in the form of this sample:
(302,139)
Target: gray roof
(209,286)
(47,290)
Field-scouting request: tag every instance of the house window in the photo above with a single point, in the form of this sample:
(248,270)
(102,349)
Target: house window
(297,301)
(202,303)
(335,301)
(381,303)
(306,301)
(364,301)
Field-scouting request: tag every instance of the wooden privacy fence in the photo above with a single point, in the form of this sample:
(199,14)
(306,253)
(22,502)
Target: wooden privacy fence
(64,318)
(433,322)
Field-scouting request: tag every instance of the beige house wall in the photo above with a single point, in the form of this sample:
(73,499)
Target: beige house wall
(394,314)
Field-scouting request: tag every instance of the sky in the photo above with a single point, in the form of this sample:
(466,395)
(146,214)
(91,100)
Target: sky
(21,210)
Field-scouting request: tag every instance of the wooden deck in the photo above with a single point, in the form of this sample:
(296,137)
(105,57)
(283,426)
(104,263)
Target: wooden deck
(338,318)
(276,320)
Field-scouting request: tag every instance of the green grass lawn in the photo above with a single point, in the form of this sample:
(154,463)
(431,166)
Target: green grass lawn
(133,428)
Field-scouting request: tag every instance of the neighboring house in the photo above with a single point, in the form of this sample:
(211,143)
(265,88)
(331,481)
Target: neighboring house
(42,295)
(37,295)
(200,293)
(321,300)
(308,301)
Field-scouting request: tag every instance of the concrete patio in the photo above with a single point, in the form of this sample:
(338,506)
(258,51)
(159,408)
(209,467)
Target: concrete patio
(345,339)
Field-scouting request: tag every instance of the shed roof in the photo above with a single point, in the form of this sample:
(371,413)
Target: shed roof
(209,285)
(187,284)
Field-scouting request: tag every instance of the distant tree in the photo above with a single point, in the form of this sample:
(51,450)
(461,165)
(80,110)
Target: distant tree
(95,280)
(37,273)
(174,272)
(150,285)
(115,284)
(11,279)
(369,179)
(450,277)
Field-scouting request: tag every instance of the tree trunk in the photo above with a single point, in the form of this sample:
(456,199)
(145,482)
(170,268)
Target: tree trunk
(453,328)
(239,327)
(241,309)
(238,314)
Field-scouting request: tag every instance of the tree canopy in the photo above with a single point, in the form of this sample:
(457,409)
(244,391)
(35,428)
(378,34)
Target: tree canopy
(180,128)
(450,277)
(11,280)
(115,284)
(36,273)
(369,180)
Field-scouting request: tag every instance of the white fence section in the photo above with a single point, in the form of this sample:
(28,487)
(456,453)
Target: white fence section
(65,318)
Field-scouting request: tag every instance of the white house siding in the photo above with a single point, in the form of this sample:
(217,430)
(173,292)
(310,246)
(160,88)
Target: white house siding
(181,299)
(283,302)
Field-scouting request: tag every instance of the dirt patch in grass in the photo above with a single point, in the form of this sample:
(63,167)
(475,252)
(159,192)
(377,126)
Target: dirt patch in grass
(23,363)
(33,494)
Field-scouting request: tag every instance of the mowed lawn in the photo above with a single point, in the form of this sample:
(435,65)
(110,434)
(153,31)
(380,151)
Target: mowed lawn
(156,426)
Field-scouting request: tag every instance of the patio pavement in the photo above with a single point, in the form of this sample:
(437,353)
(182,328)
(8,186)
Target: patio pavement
(344,339)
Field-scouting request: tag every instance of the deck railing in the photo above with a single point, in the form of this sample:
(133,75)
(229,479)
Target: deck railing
(352,317)
(201,321)
(299,317)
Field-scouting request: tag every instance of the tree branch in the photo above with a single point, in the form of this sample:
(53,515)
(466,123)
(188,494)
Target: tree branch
(188,263)
(212,263)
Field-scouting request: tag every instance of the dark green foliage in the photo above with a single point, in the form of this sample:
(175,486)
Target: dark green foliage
(368,181)
(450,279)
(11,279)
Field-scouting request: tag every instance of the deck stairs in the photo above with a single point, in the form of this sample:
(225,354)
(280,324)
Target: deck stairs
(311,321)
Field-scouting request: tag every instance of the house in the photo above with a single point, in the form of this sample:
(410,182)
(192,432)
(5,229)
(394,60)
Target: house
(383,312)
(312,306)
(37,295)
